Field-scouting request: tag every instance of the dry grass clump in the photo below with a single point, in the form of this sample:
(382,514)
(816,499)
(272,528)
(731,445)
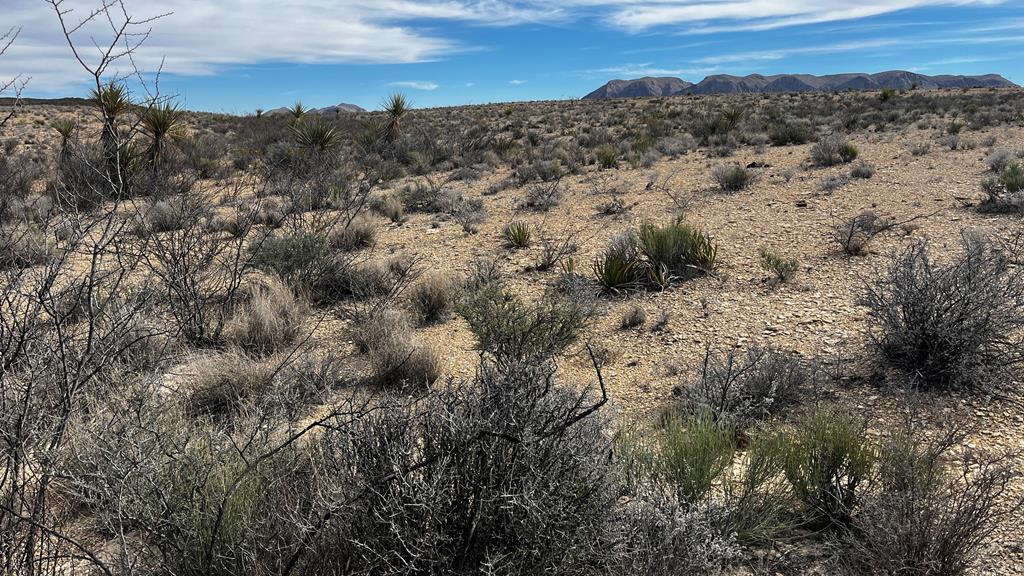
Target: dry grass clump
(357,234)
(269,319)
(221,385)
(433,298)
(396,357)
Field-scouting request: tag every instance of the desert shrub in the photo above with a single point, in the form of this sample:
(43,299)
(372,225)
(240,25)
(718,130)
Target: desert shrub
(833,182)
(511,330)
(956,324)
(831,150)
(169,214)
(433,298)
(607,157)
(786,132)
(635,317)
(517,234)
(543,196)
(999,159)
(781,268)
(619,267)
(732,178)
(828,458)
(24,246)
(354,235)
(920,149)
(269,319)
(1012,177)
(675,249)
(922,517)
(862,170)
(507,473)
(656,535)
(746,387)
(692,452)
(854,234)
(389,206)
(958,142)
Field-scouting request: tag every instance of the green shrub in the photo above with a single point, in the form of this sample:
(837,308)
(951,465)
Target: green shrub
(828,459)
(607,157)
(692,452)
(511,330)
(781,268)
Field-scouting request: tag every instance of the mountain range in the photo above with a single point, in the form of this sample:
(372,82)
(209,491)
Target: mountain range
(336,109)
(756,83)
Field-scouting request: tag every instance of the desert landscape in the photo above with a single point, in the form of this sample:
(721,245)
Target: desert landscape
(745,330)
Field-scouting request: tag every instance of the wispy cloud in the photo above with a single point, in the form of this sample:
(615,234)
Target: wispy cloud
(517,82)
(416,84)
(647,69)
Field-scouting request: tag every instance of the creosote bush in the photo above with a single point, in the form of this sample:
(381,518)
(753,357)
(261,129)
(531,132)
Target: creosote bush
(949,325)
(746,387)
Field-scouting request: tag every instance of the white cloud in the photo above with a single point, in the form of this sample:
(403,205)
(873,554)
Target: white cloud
(416,84)
(517,82)
(207,36)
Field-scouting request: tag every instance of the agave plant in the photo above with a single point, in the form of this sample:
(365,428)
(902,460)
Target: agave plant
(396,107)
(158,122)
(316,134)
(517,234)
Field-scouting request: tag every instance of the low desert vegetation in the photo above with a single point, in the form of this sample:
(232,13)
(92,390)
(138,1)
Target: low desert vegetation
(470,341)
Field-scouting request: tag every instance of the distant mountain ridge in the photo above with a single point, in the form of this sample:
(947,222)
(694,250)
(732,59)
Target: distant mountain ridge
(336,109)
(756,83)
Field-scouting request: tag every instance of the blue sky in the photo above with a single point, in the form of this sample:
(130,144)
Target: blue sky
(238,55)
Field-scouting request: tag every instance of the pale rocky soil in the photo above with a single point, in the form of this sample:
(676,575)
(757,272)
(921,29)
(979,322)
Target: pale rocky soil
(816,315)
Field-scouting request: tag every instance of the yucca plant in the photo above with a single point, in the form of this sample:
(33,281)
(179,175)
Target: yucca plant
(517,234)
(113,101)
(65,128)
(298,110)
(259,113)
(158,121)
(396,107)
(316,134)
